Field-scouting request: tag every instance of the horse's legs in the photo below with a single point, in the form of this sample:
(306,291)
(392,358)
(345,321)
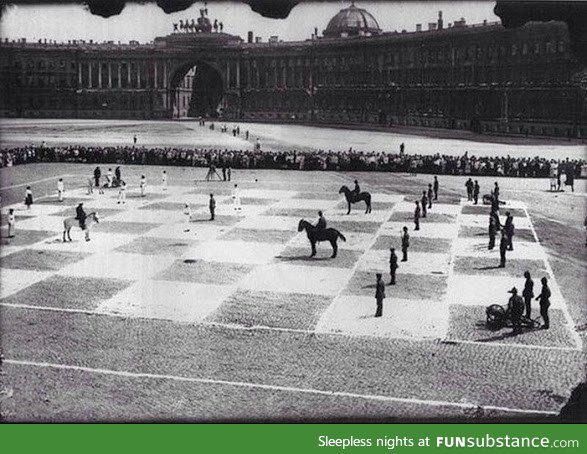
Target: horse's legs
(68,234)
(349,211)
(313,243)
(334,248)
(87,234)
(64,235)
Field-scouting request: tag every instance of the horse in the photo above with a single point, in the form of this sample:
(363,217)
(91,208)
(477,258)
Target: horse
(68,223)
(316,235)
(352,198)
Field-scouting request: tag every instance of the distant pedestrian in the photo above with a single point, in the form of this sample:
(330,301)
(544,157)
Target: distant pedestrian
(503,245)
(212,206)
(436,187)
(143,185)
(11,223)
(164,180)
(469,185)
(117,174)
(516,309)
(492,232)
(247,134)
(393,266)
(379,295)
(528,293)
(509,230)
(496,193)
(402,148)
(90,189)
(60,189)
(417,213)
(28,197)
(134,139)
(223,171)
(544,299)
(229,173)
(405,244)
(109,177)
(236,198)
(430,195)
(122,192)
(424,203)
(187,211)
(476,192)
(97,175)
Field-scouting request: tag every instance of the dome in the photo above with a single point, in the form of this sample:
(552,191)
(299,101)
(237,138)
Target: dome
(352,21)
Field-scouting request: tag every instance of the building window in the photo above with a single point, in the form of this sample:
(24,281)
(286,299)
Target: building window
(537,48)
(524,49)
(514,49)
(561,46)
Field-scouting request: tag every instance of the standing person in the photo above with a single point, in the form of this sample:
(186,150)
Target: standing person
(379,295)
(321,224)
(402,148)
(212,206)
(164,180)
(544,299)
(134,140)
(492,232)
(516,308)
(223,170)
(109,178)
(496,193)
(236,198)
(393,266)
(405,244)
(11,223)
(585,225)
(436,187)
(81,216)
(122,192)
(60,189)
(417,212)
(97,175)
(117,174)
(247,135)
(90,186)
(424,204)
(229,172)
(28,197)
(469,185)
(143,185)
(430,194)
(503,245)
(476,192)
(509,229)
(357,189)
(187,211)
(528,293)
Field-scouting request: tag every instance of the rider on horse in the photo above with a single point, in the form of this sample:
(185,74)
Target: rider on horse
(357,190)
(321,224)
(81,216)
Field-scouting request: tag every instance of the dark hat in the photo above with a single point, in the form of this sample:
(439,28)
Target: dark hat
(514,290)
(378,274)
(392,248)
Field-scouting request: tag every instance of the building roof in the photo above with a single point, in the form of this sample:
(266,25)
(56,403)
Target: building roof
(352,21)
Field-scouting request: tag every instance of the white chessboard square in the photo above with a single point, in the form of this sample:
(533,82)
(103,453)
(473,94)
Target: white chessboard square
(267,194)
(386,198)
(297,279)
(149,216)
(482,220)
(200,199)
(427,230)
(418,262)
(357,214)
(13,280)
(440,208)
(229,209)
(486,290)
(176,301)
(100,242)
(269,223)
(477,247)
(119,266)
(36,209)
(189,231)
(234,252)
(412,319)
(308,204)
(43,222)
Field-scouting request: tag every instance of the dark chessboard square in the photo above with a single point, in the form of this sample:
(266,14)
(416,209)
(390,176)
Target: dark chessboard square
(53,200)
(251,201)
(102,212)
(345,258)
(490,267)
(319,195)
(41,260)
(408,286)
(354,226)
(468,323)
(4,218)
(171,206)
(417,244)
(486,209)
(258,235)
(124,227)
(279,310)
(203,272)
(476,232)
(299,213)
(157,246)
(25,237)
(68,292)
(222,220)
(407,216)
(148,195)
(213,189)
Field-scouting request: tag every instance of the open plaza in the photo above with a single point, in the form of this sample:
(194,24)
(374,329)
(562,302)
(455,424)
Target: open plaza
(164,315)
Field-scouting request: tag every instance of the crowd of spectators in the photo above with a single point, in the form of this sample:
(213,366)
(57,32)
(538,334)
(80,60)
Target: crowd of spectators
(297,160)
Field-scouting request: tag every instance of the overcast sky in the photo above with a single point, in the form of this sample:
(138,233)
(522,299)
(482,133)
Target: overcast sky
(145,22)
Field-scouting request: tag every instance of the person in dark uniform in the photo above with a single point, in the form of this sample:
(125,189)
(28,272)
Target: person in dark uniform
(97,175)
(321,224)
(544,299)
(528,293)
(393,266)
(379,295)
(405,244)
(516,308)
(469,185)
(435,187)
(402,147)
(118,175)
(496,194)
(492,232)
(417,212)
(356,190)
(476,192)
(212,206)
(509,229)
(503,245)
(424,204)
(81,216)
(494,203)
(430,194)
(223,170)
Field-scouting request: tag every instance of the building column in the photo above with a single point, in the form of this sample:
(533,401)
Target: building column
(99,74)
(128,74)
(228,74)
(165,75)
(79,74)
(139,74)
(238,74)
(155,75)
(284,76)
(119,75)
(109,75)
(89,74)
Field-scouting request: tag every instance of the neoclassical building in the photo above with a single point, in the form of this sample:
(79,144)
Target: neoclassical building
(479,77)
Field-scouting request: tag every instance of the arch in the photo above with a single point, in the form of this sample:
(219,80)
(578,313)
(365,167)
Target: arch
(200,96)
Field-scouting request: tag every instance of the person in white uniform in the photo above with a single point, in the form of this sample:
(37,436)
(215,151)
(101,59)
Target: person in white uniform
(60,189)
(236,198)
(164,180)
